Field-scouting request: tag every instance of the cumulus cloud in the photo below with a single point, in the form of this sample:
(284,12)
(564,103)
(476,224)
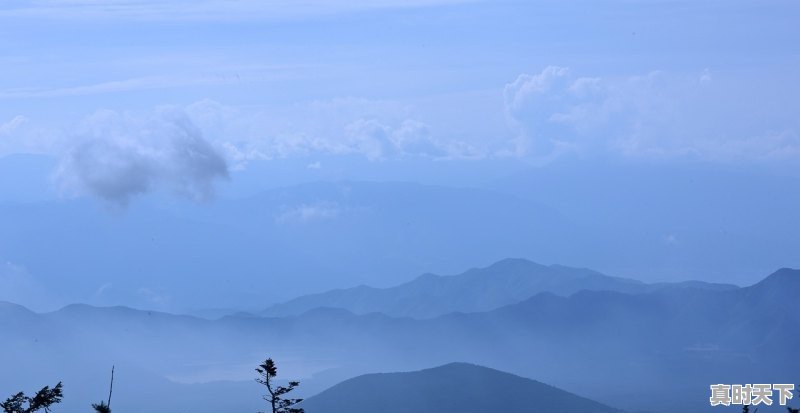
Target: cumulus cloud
(370,138)
(118,156)
(533,103)
(377,130)
(527,87)
(652,115)
(413,137)
(185,150)
(377,140)
(555,110)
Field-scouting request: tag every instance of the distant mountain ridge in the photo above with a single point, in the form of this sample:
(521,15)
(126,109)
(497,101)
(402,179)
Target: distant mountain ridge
(454,387)
(662,347)
(480,289)
(383,232)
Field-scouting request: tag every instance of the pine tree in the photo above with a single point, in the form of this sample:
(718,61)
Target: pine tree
(42,400)
(267,372)
(101,407)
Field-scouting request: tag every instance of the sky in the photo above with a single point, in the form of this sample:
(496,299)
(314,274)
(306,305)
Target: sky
(120,103)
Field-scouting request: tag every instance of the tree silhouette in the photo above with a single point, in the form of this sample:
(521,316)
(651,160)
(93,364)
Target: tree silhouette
(104,407)
(101,407)
(42,400)
(268,371)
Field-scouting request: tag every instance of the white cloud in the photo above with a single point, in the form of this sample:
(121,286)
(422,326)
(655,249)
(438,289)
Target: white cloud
(413,137)
(193,71)
(370,138)
(185,150)
(12,125)
(533,103)
(377,130)
(527,87)
(306,213)
(117,156)
(21,135)
(141,83)
(410,137)
(671,239)
(651,115)
(705,77)
(10,135)
(154,297)
(102,290)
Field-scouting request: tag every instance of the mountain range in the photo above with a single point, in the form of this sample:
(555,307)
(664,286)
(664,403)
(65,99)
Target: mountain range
(480,289)
(262,249)
(276,243)
(660,346)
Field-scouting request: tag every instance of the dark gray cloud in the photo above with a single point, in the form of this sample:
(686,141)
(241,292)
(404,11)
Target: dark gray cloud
(118,156)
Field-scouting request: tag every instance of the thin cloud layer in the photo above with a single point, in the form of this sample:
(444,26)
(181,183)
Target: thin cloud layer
(373,129)
(8,127)
(307,213)
(22,135)
(119,156)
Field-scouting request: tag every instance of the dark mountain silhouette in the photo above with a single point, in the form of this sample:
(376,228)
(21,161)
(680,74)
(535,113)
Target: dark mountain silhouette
(15,312)
(780,285)
(481,289)
(661,347)
(455,387)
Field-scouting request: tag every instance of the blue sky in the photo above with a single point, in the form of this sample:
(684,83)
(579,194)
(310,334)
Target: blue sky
(113,102)
(445,79)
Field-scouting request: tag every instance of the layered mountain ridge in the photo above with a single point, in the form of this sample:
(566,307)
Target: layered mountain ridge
(479,289)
